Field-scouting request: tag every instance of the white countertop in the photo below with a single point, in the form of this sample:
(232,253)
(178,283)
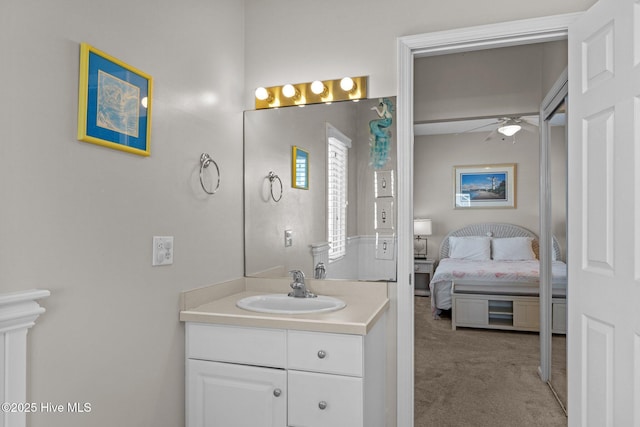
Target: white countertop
(366,302)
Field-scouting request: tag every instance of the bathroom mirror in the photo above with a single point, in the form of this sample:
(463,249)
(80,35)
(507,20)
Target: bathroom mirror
(287,228)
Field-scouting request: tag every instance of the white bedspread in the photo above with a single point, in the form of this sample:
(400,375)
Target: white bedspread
(511,277)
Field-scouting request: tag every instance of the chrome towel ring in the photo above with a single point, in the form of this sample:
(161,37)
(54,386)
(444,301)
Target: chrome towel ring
(272,177)
(205,161)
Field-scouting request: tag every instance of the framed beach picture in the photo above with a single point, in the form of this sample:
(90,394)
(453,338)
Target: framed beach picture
(485,186)
(114,103)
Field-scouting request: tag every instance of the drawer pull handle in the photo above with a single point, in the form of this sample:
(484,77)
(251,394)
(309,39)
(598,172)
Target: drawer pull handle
(277,392)
(322,405)
(322,354)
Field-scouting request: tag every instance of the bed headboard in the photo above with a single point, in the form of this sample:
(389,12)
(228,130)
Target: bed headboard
(498,230)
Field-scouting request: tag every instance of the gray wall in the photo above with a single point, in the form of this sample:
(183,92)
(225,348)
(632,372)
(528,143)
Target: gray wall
(78,219)
(486,83)
(336,39)
(435,157)
(511,80)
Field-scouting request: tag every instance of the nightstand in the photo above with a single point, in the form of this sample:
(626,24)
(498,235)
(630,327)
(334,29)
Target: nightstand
(423,271)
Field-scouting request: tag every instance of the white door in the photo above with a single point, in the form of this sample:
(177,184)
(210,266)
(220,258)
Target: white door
(604,216)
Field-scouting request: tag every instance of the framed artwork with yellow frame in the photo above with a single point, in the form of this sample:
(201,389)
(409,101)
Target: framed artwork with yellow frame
(114,103)
(299,168)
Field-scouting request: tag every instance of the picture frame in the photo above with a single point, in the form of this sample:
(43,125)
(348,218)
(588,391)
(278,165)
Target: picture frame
(299,168)
(484,186)
(114,103)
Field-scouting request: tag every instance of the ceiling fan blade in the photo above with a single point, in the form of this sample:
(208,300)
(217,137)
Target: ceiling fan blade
(481,127)
(529,127)
(491,135)
(531,122)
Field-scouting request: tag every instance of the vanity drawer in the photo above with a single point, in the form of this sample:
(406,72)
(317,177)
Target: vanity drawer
(234,344)
(329,353)
(325,400)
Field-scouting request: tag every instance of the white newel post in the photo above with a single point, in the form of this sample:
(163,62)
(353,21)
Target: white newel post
(18,312)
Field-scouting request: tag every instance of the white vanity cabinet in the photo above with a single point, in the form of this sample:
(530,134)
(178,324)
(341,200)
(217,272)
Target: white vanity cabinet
(245,376)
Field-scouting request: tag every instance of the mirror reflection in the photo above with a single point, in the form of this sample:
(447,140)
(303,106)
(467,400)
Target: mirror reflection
(342,224)
(558,144)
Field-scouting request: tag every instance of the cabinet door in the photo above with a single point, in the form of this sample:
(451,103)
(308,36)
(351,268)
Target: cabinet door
(559,318)
(324,400)
(471,311)
(228,395)
(526,314)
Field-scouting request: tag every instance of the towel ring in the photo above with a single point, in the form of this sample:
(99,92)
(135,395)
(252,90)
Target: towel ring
(273,177)
(205,161)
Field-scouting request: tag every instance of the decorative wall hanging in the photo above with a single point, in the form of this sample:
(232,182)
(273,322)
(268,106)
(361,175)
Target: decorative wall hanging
(114,103)
(380,140)
(485,186)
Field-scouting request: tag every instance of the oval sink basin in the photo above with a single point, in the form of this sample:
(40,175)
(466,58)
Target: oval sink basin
(284,304)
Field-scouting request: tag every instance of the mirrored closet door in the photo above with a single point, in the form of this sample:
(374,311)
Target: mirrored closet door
(553,226)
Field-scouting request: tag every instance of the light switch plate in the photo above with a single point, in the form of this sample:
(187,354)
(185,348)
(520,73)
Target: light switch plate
(162,250)
(384,214)
(385,246)
(384,183)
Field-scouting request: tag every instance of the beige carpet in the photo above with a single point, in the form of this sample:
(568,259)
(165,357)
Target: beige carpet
(476,377)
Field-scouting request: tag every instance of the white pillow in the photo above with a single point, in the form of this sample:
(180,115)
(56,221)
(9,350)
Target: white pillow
(475,248)
(512,249)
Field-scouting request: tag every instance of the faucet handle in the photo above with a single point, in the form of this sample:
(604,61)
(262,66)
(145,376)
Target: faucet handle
(298,275)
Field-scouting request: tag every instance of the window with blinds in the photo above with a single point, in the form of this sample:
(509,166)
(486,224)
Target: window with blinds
(337,174)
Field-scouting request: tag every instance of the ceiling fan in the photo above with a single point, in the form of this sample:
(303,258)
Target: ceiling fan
(509,126)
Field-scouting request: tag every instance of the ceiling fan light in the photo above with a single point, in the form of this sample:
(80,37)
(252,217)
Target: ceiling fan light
(509,130)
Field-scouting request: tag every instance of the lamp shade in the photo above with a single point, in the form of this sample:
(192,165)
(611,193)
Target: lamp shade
(422,227)
(509,129)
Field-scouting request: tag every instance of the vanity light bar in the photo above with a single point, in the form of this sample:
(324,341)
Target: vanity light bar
(317,92)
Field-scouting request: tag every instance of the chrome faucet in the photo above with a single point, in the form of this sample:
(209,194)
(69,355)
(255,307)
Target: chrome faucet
(320,271)
(298,286)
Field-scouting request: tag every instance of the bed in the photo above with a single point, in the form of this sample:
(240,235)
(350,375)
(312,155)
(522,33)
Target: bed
(488,276)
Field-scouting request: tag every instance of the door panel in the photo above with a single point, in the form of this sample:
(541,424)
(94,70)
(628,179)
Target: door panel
(604,206)
(229,395)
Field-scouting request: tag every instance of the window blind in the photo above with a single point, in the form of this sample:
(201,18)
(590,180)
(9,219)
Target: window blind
(337,197)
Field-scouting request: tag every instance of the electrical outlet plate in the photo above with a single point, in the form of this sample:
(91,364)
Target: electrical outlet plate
(288,238)
(162,250)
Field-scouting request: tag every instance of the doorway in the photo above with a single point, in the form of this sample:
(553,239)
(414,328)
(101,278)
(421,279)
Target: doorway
(483,37)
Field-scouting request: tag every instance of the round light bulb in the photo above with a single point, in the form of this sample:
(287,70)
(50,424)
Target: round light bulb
(347,84)
(318,87)
(262,93)
(288,90)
